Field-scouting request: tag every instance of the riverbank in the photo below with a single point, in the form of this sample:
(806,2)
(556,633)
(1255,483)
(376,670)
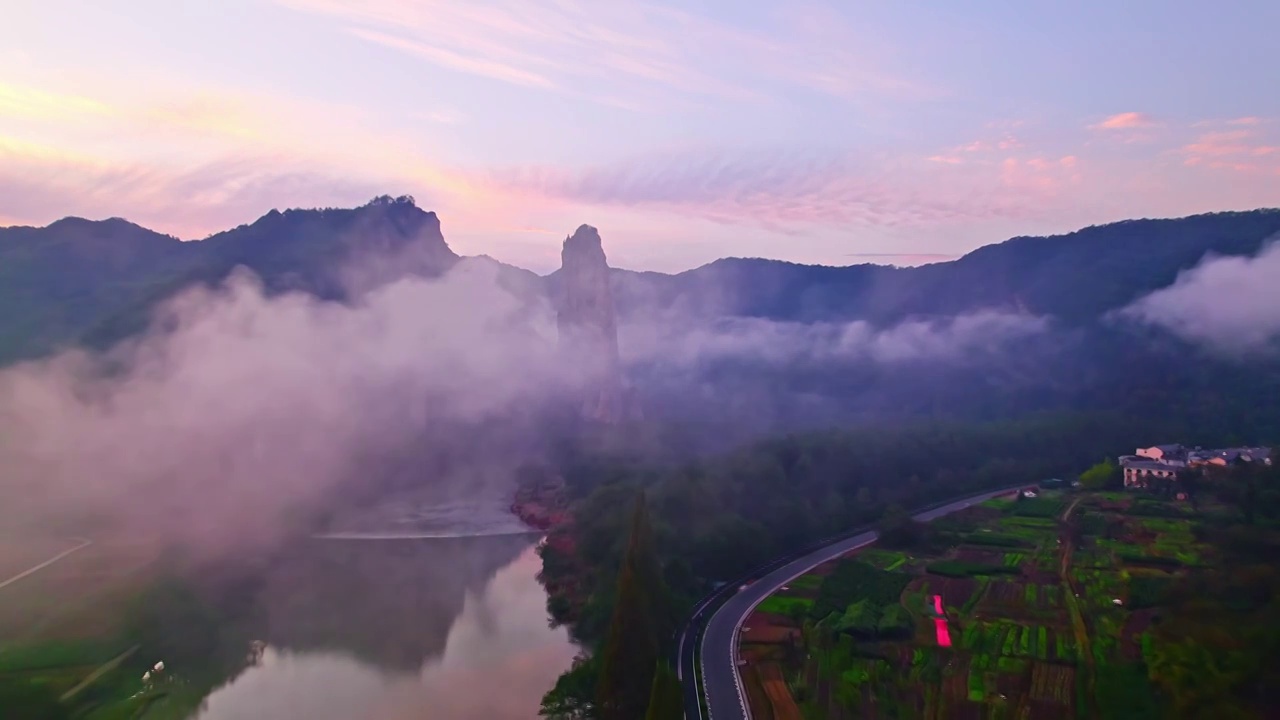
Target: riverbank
(544,506)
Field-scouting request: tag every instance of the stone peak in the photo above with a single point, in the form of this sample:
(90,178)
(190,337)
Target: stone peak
(584,242)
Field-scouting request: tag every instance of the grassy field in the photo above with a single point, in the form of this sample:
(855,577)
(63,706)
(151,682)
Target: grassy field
(63,634)
(1045,599)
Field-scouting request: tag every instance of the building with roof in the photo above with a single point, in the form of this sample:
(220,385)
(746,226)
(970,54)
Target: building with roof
(1164,462)
(1229,456)
(1139,471)
(1164,453)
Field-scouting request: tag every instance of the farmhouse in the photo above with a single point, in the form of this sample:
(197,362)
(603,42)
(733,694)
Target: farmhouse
(1165,461)
(1138,471)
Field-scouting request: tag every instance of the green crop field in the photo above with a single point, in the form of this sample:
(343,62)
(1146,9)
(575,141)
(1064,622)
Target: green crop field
(782,605)
(1032,633)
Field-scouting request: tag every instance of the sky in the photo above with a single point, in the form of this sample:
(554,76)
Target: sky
(822,132)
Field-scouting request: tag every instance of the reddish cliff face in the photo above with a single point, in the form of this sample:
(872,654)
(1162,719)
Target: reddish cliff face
(588,328)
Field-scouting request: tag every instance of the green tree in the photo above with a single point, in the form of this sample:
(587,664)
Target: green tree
(666,702)
(573,697)
(860,618)
(638,629)
(1100,476)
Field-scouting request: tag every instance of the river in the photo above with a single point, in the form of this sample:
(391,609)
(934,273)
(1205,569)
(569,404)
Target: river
(451,628)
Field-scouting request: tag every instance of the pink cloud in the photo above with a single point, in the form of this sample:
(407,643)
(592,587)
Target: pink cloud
(1251,120)
(788,191)
(189,202)
(1242,151)
(457,61)
(1125,121)
(1006,143)
(1220,143)
(1039,175)
(620,53)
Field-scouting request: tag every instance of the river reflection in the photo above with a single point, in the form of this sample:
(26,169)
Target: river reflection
(401,630)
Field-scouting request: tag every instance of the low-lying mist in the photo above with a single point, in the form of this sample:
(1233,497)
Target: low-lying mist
(1228,304)
(238,411)
(741,377)
(241,414)
(955,339)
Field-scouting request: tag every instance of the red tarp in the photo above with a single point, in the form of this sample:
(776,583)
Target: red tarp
(940,623)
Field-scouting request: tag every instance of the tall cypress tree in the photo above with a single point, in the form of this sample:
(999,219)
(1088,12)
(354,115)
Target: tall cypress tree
(666,702)
(638,628)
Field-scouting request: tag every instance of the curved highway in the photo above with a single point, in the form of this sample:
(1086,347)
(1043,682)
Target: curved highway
(718,674)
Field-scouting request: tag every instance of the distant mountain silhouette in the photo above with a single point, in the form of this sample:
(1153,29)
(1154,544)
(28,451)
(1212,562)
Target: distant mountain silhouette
(1076,277)
(80,282)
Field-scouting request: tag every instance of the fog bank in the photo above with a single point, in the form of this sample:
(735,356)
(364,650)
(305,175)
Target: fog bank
(771,342)
(237,411)
(1229,304)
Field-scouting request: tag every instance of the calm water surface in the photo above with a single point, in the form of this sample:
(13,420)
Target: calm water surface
(437,629)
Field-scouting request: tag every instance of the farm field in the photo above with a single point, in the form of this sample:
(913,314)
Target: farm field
(64,629)
(1048,602)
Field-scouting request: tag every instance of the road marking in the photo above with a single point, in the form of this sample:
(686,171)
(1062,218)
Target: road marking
(83,544)
(737,628)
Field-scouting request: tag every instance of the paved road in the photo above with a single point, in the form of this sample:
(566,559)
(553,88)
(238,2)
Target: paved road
(722,686)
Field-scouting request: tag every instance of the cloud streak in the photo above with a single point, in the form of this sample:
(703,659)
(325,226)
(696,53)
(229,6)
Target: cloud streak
(788,190)
(38,184)
(783,344)
(603,50)
(1230,304)
(193,163)
(1125,121)
(1241,149)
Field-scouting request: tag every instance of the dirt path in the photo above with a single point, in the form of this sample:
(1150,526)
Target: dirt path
(775,687)
(37,568)
(1064,568)
(1080,630)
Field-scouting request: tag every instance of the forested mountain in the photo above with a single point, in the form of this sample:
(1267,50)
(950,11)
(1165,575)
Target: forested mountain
(747,346)
(1077,276)
(75,278)
(80,281)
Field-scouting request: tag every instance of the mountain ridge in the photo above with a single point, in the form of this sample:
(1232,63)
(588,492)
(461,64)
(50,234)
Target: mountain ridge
(93,281)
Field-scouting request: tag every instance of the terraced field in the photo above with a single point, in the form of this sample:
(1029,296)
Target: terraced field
(1041,596)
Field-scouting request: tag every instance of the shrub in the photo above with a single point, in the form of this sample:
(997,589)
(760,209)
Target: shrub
(1148,508)
(853,581)
(861,618)
(995,540)
(895,622)
(1037,507)
(960,568)
(1146,591)
(788,606)
(1136,557)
